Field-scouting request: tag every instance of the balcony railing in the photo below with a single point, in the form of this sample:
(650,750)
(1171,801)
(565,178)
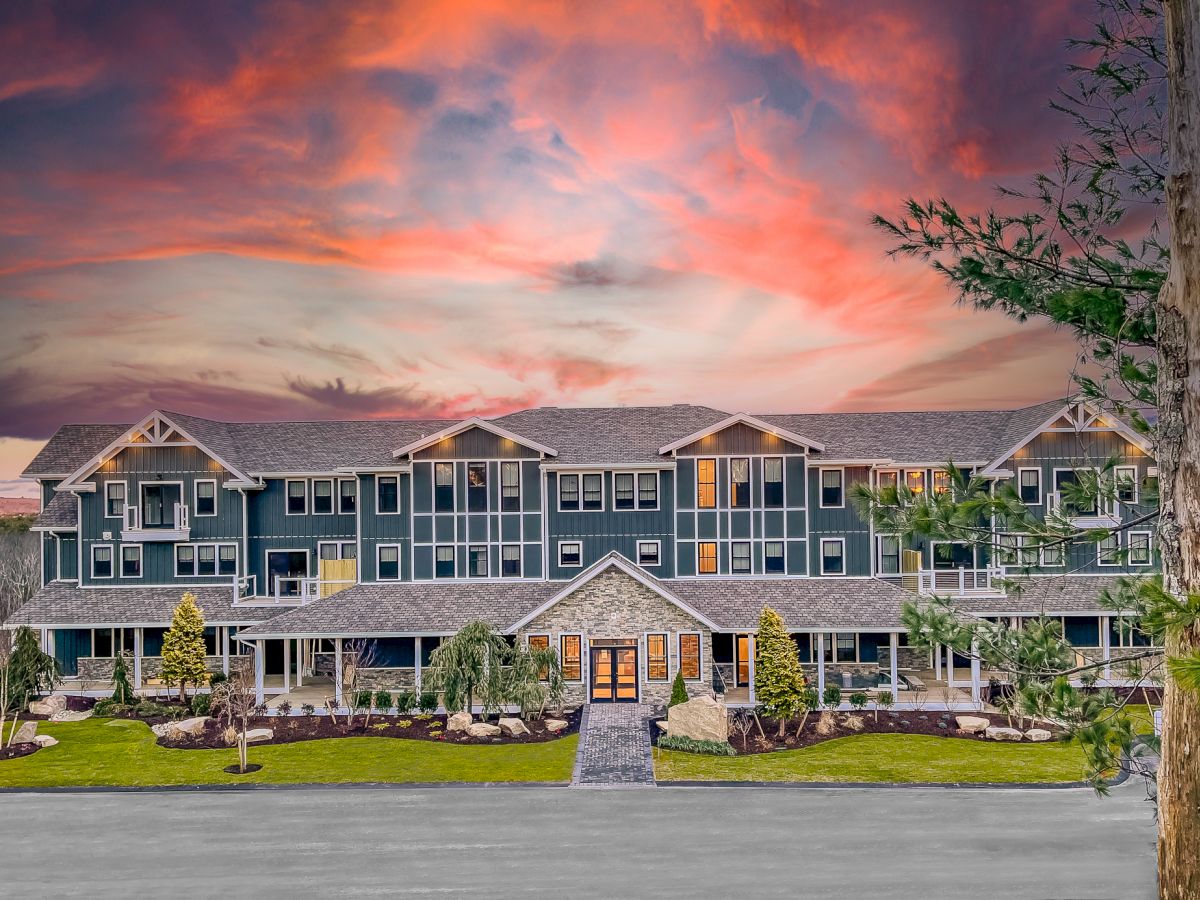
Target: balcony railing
(1104,515)
(178,529)
(960,582)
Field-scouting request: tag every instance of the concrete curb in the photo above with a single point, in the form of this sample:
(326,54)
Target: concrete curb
(298,786)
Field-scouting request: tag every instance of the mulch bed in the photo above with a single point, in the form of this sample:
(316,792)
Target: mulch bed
(293,729)
(933,723)
(18,750)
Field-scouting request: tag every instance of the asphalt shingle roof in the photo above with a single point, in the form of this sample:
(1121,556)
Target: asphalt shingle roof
(61,512)
(840,603)
(65,604)
(71,446)
(1045,595)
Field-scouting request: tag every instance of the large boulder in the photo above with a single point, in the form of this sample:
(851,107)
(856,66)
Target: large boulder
(972,724)
(999,733)
(48,706)
(702,719)
(483,729)
(71,715)
(460,721)
(26,734)
(187,727)
(1038,735)
(555,725)
(512,727)
(162,729)
(259,735)
(44,740)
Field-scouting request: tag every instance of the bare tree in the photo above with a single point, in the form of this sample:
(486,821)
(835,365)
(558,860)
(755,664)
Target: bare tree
(20,570)
(234,703)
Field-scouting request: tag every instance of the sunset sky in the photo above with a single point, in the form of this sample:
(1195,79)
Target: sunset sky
(319,210)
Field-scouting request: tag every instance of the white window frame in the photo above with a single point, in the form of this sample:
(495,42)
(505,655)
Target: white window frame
(487,560)
(563,565)
(1149,535)
(749,557)
(878,561)
(487,494)
(141,558)
(749,483)
(782,542)
(453,559)
(124,502)
(657,553)
(112,563)
(1041,494)
(353,481)
(192,573)
(782,481)
(716,483)
(1100,551)
(216,565)
(821,504)
(821,556)
(578,476)
(699,655)
(287,496)
(237,559)
(399,566)
(520,560)
(633,493)
(433,487)
(1133,480)
(1062,556)
(196,497)
(583,492)
(333,500)
(333,543)
(399,505)
(637,491)
(520,478)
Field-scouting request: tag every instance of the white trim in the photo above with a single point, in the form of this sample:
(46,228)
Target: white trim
(434,576)
(716,543)
(1134,480)
(500,486)
(563,565)
(520,560)
(112,562)
(124,502)
(399,505)
(821,504)
(487,561)
(744,419)
(196,497)
(716,484)
(1067,410)
(269,588)
(637,491)
(749,556)
(657,552)
(1149,535)
(1041,497)
(581,475)
(433,473)
(1062,556)
(467,425)
(141,561)
(216,545)
(340,482)
(287,496)
(399,567)
(1116,536)
(339,543)
(333,499)
(821,556)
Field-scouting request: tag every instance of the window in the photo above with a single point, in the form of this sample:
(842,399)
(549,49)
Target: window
(510,486)
(656,657)
(1030,486)
(568,492)
(1081,631)
(297,498)
(1065,482)
(845,647)
(102,643)
(570,553)
(706,558)
(114,499)
(889,478)
(158,504)
(941,482)
(388,489)
(389,563)
(131,561)
(831,488)
(1139,548)
(571,647)
(689,656)
(1109,551)
(740,557)
(773,557)
(477,561)
(336,550)
(206,559)
(477,500)
(185,560)
(539,642)
(648,553)
(706,483)
(443,487)
(773,481)
(443,566)
(915,481)
(1052,555)
(888,562)
(623,490)
(1007,546)
(102,561)
(510,561)
(1126,478)
(593,491)
(833,556)
(322,489)
(227,559)
(206,498)
(1124,632)
(347,496)
(739,483)
(648,490)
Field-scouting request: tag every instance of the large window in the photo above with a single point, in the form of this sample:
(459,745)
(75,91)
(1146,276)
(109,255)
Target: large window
(706,558)
(114,499)
(131,561)
(1108,551)
(706,483)
(1052,555)
(443,566)
(510,486)
(593,491)
(833,556)
(322,496)
(648,490)
(941,482)
(206,498)
(389,563)
(102,561)
(389,494)
(337,550)
(915,480)
(477,500)
(623,497)
(773,481)
(889,555)
(1030,486)
(477,561)
(185,560)
(739,483)
(297,498)
(227,559)
(845,647)
(510,561)
(571,654)
(158,504)
(568,492)
(443,487)
(347,496)
(773,562)
(570,554)
(206,559)
(656,657)
(539,642)
(689,656)
(831,488)
(739,555)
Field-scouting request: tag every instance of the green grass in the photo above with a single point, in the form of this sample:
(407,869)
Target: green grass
(124,752)
(1140,716)
(885,758)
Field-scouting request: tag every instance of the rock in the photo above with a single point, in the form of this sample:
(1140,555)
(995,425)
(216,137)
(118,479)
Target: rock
(512,727)
(26,734)
(664,725)
(55,703)
(701,718)
(460,721)
(187,728)
(259,735)
(483,729)
(44,740)
(943,724)
(162,729)
(1038,735)
(999,733)
(555,724)
(972,724)
(68,715)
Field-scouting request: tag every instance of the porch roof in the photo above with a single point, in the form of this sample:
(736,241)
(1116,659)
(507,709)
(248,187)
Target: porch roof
(852,604)
(65,604)
(1045,595)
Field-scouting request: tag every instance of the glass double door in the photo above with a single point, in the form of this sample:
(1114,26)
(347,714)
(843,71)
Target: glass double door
(614,675)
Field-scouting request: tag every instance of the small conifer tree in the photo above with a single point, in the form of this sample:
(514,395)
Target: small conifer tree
(778,678)
(183,647)
(122,688)
(678,691)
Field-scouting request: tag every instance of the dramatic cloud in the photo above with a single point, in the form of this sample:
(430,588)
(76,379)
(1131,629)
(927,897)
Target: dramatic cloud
(280,209)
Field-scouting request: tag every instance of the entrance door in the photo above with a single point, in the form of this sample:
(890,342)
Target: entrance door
(614,675)
(288,565)
(742,660)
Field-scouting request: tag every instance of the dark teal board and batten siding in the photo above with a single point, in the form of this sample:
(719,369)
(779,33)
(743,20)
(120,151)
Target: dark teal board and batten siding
(476,444)
(271,528)
(840,522)
(739,440)
(384,529)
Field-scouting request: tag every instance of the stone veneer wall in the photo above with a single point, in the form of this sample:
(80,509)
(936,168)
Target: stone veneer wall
(906,658)
(614,605)
(94,668)
(386,679)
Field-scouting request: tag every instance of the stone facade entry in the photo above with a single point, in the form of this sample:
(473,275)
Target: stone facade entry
(614,672)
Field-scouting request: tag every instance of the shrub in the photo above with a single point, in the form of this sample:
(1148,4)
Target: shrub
(678,691)
(405,723)
(284,708)
(30,671)
(215,678)
(883,699)
(691,745)
(858,700)
(362,700)
(383,701)
(122,689)
(308,710)
(832,697)
(429,702)
(406,702)
(109,708)
(201,704)
(148,709)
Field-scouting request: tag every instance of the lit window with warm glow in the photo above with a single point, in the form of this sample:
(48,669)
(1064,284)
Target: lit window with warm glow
(706,483)
(915,481)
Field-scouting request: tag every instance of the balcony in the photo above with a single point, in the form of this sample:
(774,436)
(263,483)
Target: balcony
(178,528)
(956,582)
(1100,517)
(287,590)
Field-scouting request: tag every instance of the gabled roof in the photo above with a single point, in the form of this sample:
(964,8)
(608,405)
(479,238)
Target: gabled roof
(743,419)
(60,514)
(1026,424)
(466,425)
(70,447)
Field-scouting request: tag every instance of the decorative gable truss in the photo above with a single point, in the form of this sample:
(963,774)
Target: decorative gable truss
(466,425)
(750,421)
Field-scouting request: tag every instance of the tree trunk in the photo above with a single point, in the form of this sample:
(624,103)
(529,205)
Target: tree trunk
(1178,453)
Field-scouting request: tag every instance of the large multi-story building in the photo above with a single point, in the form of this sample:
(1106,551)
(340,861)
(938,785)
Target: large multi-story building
(639,542)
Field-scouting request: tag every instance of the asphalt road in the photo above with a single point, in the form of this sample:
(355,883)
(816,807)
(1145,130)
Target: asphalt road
(665,842)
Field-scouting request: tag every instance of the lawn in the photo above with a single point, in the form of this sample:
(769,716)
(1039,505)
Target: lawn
(884,758)
(124,752)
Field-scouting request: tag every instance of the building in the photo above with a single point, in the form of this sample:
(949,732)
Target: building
(637,541)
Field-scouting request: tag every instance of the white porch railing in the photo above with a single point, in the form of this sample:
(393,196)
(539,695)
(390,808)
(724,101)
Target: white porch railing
(134,529)
(960,582)
(1105,514)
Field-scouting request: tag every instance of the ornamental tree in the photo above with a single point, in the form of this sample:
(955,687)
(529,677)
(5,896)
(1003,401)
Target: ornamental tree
(183,652)
(122,689)
(778,679)
(30,671)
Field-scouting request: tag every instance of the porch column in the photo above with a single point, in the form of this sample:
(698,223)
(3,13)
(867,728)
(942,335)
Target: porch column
(937,662)
(260,665)
(821,664)
(417,664)
(301,657)
(45,639)
(894,644)
(225,649)
(137,659)
(750,648)
(287,665)
(337,671)
(975,694)
(1106,645)
(949,666)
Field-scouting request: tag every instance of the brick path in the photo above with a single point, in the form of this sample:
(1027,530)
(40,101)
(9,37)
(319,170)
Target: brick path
(615,746)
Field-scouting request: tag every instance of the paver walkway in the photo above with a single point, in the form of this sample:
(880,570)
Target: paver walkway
(614,748)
